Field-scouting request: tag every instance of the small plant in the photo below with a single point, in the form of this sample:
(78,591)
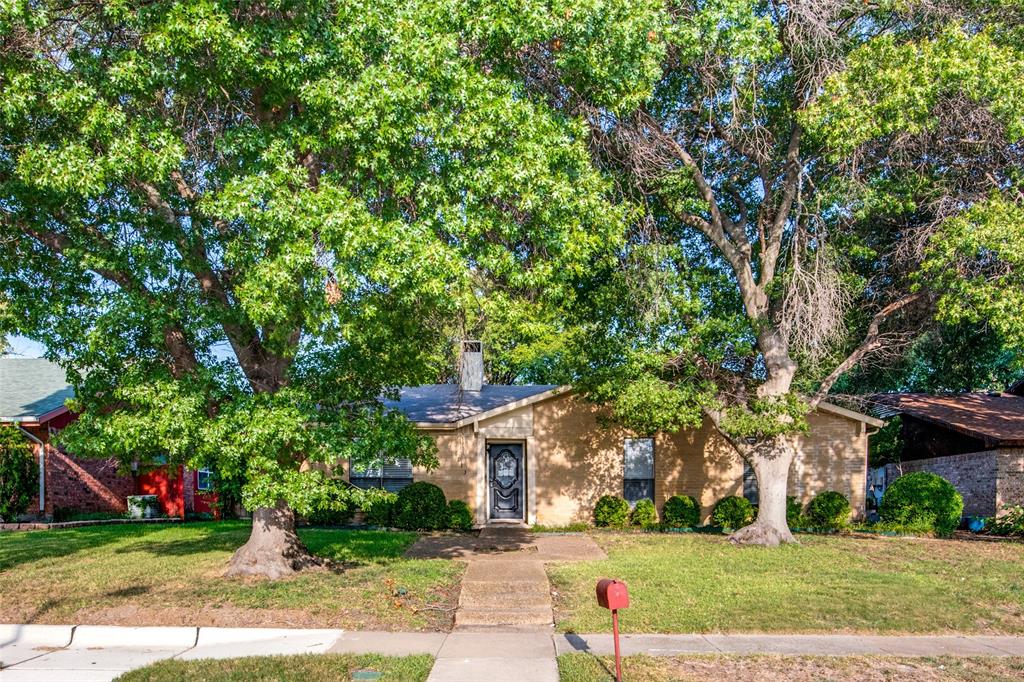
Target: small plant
(421,506)
(732,512)
(828,509)
(459,515)
(922,499)
(1010,522)
(795,513)
(680,511)
(379,507)
(611,511)
(18,473)
(644,514)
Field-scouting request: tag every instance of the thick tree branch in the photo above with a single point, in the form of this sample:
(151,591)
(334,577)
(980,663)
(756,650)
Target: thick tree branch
(871,342)
(776,228)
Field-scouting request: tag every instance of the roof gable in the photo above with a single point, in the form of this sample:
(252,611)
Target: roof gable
(31,388)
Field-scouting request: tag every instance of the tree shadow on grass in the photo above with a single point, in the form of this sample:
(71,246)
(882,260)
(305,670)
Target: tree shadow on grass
(26,547)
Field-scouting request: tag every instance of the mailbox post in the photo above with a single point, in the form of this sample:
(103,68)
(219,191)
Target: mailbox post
(612,595)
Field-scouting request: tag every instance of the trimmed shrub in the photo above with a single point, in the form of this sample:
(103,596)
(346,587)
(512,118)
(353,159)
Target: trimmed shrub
(459,516)
(379,507)
(680,511)
(829,509)
(794,512)
(421,506)
(333,516)
(732,512)
(922,499)
(611,510)
(643,514)
(19,474)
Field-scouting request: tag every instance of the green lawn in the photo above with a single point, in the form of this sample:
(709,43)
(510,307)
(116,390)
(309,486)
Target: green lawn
(700,583)
(170,575)
(307,668)
(587,668)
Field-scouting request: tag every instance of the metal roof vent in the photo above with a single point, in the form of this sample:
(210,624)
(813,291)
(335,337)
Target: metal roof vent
(471,365)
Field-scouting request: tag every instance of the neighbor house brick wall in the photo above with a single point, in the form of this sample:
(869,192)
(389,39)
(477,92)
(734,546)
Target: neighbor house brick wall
(1010,477)
(974,475)
(87,485)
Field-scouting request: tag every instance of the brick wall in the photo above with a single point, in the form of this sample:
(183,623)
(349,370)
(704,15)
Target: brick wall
(1010,477)
(578,461)
(973,474)
(88,485)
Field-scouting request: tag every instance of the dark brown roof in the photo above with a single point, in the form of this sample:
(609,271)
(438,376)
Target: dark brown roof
(996,418)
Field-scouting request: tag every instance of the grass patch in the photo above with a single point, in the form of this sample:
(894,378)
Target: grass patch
(588,668)
(170,575)
(701,583)
(304,668)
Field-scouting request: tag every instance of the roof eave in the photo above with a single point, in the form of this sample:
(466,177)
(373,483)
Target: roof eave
(851,414)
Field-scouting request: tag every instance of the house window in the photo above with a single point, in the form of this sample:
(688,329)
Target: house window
(638,470)
(204,480)
(390,474)
(750,484)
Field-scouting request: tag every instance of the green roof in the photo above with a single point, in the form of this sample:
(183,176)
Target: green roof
(30,388)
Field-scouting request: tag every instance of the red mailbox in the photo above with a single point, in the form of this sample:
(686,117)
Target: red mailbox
(612,594)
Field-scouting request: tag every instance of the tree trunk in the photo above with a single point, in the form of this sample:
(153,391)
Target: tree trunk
(273,550)
(771,466)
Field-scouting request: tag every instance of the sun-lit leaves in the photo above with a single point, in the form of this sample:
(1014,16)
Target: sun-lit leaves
(890,86)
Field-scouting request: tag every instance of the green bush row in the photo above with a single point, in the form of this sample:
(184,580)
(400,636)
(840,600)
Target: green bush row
(418,506)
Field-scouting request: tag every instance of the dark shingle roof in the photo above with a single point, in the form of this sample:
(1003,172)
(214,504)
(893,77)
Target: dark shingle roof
(31,387)
(447,403)
(991,417)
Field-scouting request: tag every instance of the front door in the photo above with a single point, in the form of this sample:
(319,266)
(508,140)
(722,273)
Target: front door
(505,474)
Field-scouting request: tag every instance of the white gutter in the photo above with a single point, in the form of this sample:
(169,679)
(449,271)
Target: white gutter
(42,468)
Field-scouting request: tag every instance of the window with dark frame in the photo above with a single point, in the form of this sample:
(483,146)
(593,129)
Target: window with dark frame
(390,474)
(638,470)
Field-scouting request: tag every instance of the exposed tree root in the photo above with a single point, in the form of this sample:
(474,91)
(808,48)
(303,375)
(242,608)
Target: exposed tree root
(273,550)
(763,535)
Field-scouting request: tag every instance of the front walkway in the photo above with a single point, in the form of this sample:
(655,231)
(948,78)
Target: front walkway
(36,653)
(505,589)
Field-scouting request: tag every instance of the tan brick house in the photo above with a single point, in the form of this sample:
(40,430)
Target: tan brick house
(538,454)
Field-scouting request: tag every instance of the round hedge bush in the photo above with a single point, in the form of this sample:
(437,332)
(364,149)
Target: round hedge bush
(922,499)
(459,516)
(379,508)
(611,510)
(643,514)
(421,506)
(829,509)
(680,511)
(732,512)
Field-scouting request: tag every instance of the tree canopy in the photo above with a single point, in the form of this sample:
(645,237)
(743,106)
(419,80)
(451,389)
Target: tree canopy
(239,225)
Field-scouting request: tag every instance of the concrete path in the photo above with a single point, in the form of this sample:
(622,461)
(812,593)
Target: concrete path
(85,653)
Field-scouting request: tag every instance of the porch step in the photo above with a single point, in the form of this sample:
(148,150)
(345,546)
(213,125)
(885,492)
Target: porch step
(518,617)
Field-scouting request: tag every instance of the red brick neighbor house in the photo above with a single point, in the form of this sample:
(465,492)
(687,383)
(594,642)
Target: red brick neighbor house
(32,396)
(973,440)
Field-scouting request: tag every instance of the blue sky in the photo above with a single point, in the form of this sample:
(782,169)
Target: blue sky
(25,348)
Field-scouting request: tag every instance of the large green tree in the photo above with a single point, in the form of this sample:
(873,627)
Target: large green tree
(239,224)
(808,171)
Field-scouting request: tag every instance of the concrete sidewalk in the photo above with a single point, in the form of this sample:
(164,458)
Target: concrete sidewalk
(30,653)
